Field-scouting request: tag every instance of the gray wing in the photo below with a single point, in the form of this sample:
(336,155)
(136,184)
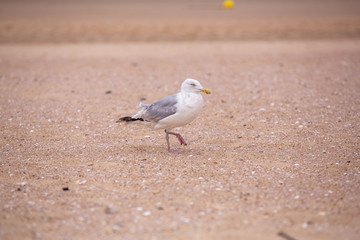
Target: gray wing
(160,109)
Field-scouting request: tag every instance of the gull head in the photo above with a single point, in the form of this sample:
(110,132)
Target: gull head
(192,85)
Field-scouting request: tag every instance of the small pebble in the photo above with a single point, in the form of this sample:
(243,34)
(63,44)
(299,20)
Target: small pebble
(117,226)
(108,92)
(37,235)
(65,188)
(111,209)
(147,213)
(321,213)
(81,182)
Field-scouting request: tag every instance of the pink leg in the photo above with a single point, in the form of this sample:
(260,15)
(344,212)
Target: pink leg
(179,137)
(167,140)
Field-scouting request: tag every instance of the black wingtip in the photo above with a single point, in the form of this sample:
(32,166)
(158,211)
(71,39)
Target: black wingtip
(124,119)
(129,119)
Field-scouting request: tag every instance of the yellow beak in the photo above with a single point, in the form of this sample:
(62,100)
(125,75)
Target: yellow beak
(207,91)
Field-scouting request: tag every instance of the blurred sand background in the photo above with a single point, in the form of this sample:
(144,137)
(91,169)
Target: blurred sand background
(40,21)
(273,155)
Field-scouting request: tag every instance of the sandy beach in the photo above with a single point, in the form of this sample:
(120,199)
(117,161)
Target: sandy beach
(273,155)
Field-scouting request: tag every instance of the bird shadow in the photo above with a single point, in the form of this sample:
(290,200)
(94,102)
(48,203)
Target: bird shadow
(145,149)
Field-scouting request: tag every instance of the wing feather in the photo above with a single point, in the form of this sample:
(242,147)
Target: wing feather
(160,109)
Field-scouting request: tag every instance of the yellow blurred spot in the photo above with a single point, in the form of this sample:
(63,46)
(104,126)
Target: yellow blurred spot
(228,4)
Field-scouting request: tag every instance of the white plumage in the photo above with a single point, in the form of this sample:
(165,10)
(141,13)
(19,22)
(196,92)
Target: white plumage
(173,111)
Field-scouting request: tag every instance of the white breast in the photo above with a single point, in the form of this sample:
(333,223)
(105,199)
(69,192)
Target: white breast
(188,108)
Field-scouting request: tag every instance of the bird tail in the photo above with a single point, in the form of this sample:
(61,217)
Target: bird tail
(129,119)
(135,119)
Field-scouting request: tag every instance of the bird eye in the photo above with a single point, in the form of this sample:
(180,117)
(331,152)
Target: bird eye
(193,84)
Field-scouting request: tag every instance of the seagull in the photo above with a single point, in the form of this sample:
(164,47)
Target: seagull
(173,111)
